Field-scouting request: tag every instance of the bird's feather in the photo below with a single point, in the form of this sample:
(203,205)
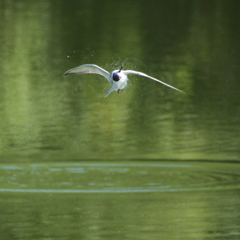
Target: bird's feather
(110,90)
(147,76)
(89,68)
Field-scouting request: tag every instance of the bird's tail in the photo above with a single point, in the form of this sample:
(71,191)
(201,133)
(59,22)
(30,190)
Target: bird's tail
(110,90)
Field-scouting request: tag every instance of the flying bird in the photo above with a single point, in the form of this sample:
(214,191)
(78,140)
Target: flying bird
(117,78)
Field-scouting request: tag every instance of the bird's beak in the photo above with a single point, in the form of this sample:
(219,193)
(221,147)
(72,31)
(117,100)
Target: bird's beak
(120,69)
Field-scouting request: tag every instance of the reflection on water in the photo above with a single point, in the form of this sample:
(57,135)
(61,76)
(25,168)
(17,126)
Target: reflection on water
(132,200)
(118,178)
(108,216)
(47,116)
(192,45)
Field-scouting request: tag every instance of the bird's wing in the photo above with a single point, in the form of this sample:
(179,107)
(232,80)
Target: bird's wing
(145,75)
(89,68)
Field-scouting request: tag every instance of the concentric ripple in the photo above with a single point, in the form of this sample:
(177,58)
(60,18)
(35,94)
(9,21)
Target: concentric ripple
(118,177)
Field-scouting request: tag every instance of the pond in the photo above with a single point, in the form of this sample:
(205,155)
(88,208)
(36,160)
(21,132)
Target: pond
(130,200)
(148,162)
(47,116)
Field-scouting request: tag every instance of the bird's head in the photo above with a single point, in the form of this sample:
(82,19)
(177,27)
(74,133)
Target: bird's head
(116,76)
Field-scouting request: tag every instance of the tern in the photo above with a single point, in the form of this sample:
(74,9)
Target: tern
(117,78)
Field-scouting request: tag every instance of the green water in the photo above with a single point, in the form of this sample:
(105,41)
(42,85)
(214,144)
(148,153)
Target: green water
(107,216)
(137,200)
(112,177)
(191,45)
(147,163)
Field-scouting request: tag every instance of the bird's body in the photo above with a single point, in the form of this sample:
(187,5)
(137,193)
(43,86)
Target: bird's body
(120,81)
(117,78)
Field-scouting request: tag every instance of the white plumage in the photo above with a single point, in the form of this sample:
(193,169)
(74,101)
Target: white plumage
(117,78)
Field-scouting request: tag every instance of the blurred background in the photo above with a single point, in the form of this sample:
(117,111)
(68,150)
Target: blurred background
(76,165)
(192,45)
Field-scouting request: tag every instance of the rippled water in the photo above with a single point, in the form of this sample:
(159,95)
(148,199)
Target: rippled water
(131,200)
(118,177)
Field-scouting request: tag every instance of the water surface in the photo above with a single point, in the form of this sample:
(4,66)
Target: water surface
(191,45)
(76,165)
(136,200)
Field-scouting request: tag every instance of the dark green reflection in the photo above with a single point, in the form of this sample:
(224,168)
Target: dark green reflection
(192,45)
(106,216)
(106,200)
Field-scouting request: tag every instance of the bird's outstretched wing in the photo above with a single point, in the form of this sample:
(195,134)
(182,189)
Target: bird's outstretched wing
(145,75)
(89,68)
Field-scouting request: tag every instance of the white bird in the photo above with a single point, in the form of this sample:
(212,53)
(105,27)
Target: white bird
(117,78)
